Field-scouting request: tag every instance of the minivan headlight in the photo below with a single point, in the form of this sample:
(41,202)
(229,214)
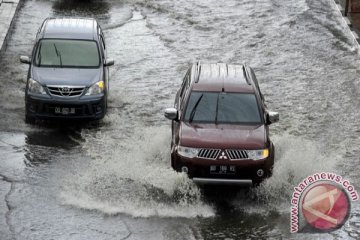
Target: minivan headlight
(258,154)
(187,151)
(97,88)
(35,87)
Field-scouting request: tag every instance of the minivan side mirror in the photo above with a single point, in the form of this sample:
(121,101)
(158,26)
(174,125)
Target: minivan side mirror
(109,62)
(272,117)
(171,113)
(25,59)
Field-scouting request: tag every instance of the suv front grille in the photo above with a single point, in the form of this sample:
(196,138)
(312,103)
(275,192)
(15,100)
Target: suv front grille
(233,154)
(237,154)
(208,153)
(66,91)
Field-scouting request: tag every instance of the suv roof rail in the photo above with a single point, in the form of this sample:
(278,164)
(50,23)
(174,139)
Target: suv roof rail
(246,74)
(198,71)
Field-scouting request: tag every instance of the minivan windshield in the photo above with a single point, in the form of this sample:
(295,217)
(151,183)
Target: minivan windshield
(67,53)
(221,107)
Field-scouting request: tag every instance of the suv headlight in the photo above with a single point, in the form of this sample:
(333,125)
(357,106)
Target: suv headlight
(35,87)
(258,154)
(97,88)
(187,152)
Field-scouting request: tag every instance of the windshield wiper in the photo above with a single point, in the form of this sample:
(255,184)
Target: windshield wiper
(193,110)
(58,54)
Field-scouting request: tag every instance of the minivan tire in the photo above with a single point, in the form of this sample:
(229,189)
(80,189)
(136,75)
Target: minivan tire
(29,120)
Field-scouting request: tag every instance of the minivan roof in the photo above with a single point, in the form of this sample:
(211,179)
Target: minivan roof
(69,28)
(220,77)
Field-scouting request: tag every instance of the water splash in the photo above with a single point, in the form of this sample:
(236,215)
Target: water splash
(133,177)
(295,159)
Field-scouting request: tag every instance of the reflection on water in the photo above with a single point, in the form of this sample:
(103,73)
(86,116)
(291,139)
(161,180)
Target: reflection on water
(240,225)
(240,213)
(85,8)
(62,138)
(42,146)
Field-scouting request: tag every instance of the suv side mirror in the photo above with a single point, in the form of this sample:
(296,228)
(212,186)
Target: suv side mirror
(25,59)
(171,113)
(109,62)
(272,117)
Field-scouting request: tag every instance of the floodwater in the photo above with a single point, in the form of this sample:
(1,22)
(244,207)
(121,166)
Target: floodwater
(113,180)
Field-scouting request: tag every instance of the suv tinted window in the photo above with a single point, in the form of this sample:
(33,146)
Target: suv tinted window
(67,53)
(211,107)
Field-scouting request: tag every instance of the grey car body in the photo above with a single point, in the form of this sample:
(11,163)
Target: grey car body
(68,75)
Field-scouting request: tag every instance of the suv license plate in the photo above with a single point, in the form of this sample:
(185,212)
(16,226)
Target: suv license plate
(222,169)
(64,110)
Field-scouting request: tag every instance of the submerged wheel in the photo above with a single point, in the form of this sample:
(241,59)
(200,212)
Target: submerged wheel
(175,166)
(256,183)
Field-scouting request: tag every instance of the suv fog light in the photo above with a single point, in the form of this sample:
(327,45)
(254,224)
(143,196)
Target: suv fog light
(98,109)
(260,173)
(184,169)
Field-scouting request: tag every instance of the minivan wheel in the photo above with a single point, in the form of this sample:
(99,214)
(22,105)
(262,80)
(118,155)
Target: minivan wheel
(29,119)
(106,106)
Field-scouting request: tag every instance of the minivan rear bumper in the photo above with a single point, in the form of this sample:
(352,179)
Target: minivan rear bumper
(44,107)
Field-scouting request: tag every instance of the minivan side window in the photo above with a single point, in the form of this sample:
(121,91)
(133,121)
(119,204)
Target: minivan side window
(102,46)
(102,41)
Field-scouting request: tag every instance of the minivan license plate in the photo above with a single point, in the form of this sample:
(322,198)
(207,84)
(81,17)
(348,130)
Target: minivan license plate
(64,110)
(222,169)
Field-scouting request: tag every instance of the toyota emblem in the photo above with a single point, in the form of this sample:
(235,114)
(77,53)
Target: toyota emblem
(65,89)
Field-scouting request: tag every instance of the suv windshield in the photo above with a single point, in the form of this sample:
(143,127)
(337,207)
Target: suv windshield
(214,107)
(67,53)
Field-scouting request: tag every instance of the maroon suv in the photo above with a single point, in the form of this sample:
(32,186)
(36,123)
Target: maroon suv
(220,126)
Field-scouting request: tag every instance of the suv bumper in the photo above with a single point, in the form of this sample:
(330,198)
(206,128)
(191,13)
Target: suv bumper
(223,181)
(246,171)
(43,107)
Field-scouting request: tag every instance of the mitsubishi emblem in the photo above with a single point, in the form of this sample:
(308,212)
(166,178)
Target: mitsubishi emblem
(223,156)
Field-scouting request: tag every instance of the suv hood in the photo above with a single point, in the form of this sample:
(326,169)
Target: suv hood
(223,136)
(66,76)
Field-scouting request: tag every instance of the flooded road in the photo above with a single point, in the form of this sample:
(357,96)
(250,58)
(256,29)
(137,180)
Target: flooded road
(113,180)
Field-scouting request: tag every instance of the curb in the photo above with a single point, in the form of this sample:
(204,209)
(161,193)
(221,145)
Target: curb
(347,22)
(8,11)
